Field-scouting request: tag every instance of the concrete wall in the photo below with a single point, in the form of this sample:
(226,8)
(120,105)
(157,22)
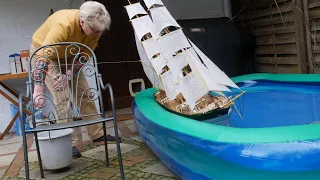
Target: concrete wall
(191,9)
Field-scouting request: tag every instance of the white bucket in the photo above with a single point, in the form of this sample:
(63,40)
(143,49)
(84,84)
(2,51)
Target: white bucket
(56,148)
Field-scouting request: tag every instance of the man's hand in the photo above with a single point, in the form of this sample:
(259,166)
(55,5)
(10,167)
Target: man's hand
(38,96)
(61,82)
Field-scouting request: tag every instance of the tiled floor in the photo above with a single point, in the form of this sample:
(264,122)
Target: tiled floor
(138,160)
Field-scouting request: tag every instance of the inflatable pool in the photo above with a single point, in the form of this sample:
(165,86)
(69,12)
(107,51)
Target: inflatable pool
(278,136)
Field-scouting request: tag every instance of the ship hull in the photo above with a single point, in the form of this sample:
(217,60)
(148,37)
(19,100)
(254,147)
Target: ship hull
(199,150)
(200,116)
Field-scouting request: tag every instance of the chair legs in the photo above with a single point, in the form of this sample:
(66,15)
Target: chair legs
(25,151)
(39,155)
(118,145)
(105,144)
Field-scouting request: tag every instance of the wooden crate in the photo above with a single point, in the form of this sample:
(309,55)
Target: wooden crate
(279,32)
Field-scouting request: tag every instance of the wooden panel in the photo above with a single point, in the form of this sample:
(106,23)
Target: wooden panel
(278,68)
(278,39)
(316,59)
(277,60)
(267,12)
(314,3)
(289,28)
(264,40)
(287,18)
(279,49)
(261,3)
(300,36)
(314,14)
(315,38)
(280,36)
(291,69)
(314,24)
(316,49)
(285,38)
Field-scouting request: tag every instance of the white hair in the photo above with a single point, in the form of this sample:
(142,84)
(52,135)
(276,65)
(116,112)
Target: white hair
(96,15)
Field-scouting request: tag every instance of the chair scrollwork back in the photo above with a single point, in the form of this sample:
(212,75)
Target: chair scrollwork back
(80,96)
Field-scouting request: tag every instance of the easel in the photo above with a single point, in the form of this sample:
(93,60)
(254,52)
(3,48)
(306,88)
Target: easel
(7,96)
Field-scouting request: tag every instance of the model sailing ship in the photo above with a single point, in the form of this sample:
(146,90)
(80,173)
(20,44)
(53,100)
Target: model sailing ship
(185,76)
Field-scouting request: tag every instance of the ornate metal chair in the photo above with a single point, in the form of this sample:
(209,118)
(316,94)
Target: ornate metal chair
(69,102)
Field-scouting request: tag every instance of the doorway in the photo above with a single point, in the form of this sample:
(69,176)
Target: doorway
(118,45)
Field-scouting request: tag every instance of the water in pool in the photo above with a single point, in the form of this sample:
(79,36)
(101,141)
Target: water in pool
(270,104)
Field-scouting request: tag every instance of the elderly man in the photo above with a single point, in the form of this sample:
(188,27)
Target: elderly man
(71,25)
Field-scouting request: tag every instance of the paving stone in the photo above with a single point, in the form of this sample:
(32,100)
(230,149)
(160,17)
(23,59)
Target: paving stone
(158,177)
(127,163)
(124,111)
(33,146)
(85,137)
(99,154)
(147,175)
(105,173)
(159,168)
(6,160)
(125,131)
(132,127)
(139,161)
(32,156)
(11,138)
(2,172)
(10,148)
(111,131)
(109,124)
(130,161)
(153,176)
(140,175)
(137,138)
(148,153)
(129,122)
(76,165)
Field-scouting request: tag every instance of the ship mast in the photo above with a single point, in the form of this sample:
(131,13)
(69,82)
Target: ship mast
(184,71)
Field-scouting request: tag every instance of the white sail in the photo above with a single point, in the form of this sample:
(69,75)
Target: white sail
(195,71)
(151,47)
(210,82)
(159,63)
(173,42)
(135,9)
(176,51)
(171,87)
(143,25)
(191,91)
(176,65)
(162,19)
(216,73)
(150,3)
(147,67)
